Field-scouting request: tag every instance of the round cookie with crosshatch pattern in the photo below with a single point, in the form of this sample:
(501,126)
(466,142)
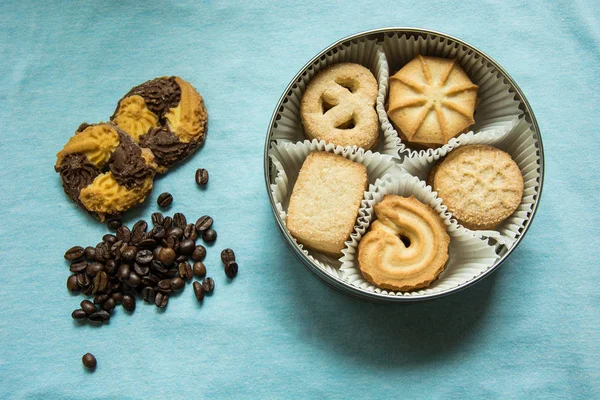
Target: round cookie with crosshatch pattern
(481,185)
(338,106)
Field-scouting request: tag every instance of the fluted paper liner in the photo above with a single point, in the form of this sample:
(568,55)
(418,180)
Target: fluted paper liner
(523,148)
(498,105)
(468,255)
(288,123)
(287,159)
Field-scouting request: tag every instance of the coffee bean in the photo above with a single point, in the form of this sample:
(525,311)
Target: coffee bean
(172,272)
(138,232)
(109,305)
(129,253)
(100,283)
(144,257)
(199,269)
(164,285)
(93,268)
(78,314)
(227,255)
(158,233)
(158,267)
(203,223)
(180,259)
(177,284)
(123,272)
(88,307)
(87,290)
(167,256)
(83,281)
(208,284)
(109,239)
(179,221)
(150,280)
(134,280)
(209,236)
(231,269)
(157,218)
(72,285)
(99,316)
(148,294)
(78,266)
(190,232)
(123,234)
(117,297)
(175,232)
(128,302)
(147,243)
(199,253)
(113,223)
(161,300)
(90,253)
(102,252)
(141,270)
(114,285)
(187,246)
(167,223)
(89,361)
(111,267)
(185,271)
(101,298)
(74,253)
(171,242)
(201,176)
(198,291)
(164,200)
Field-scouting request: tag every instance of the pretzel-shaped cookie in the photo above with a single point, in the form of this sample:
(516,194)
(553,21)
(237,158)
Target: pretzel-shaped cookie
(338,106)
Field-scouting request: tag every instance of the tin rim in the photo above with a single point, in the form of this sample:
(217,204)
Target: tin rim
(337,282)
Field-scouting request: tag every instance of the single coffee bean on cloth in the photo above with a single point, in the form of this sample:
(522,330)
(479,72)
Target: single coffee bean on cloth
(208,284)
(201,177)
(164,200)
(227,255)
(198,291)
(89,361)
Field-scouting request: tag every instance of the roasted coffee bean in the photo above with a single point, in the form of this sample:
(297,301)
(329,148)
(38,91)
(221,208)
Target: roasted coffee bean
(156,252)
(123,272)
(89,361)
(128,302)
(93,268)
(179,221)
(111,267)
(231,269)
(144,257)
(83,281)
(101,298)
(100,283)
(90,253)
(78,266)
(199,269)
(167,223)
(166,256)
(161,300)
(177,284)
(176,232)
(171,242)
(148,294)
(114,286)
(199,253)
(134,280)
(157,218)
(78,314)
(124,234)
(150,280)
(164,285)
(209,235)
(113,223)
(201,176)
(109,239)
(208,284)
(141,270)
(190,232)
(117,297)
(138,232)
(203,223)
(185,271)
(187,246)
(164,200)
(129,253)
(158,267)
(88,290)
(72,283)
(172,272)
(74,253)
(227,255)
(88,307)
(158,233)
(115,250)
(198,291)
(109,305)
(99,316)
(102,252)
(180,259)
(147,243)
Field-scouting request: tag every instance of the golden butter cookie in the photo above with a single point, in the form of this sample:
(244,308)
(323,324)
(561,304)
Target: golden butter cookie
(338,106)
(406,248)
(431,100)
(166,115)
(104,171)
(481,185)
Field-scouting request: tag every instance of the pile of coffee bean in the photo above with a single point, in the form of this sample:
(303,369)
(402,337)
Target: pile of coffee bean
(141,263)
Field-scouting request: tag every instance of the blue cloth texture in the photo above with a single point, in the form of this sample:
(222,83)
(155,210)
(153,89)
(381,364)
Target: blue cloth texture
(530,330)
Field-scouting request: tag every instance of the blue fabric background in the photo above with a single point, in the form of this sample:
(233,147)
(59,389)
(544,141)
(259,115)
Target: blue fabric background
(531,330)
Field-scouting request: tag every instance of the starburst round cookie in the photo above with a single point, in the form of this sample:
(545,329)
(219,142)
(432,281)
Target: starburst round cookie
(481,185)
(431,100)
(104,171)
(166,115)
(406,248)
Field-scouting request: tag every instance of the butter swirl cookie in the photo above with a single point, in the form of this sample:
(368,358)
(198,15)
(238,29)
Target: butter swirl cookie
(406,248)
(338,106)
(166,115)
(104,171)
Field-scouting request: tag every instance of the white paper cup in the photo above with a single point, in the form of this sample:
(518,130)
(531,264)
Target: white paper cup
(468,255)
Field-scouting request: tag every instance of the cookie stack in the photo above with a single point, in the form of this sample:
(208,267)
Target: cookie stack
(107,168)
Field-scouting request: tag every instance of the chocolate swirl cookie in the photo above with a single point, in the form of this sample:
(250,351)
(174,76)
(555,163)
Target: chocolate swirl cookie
(104,171)
(165,115)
